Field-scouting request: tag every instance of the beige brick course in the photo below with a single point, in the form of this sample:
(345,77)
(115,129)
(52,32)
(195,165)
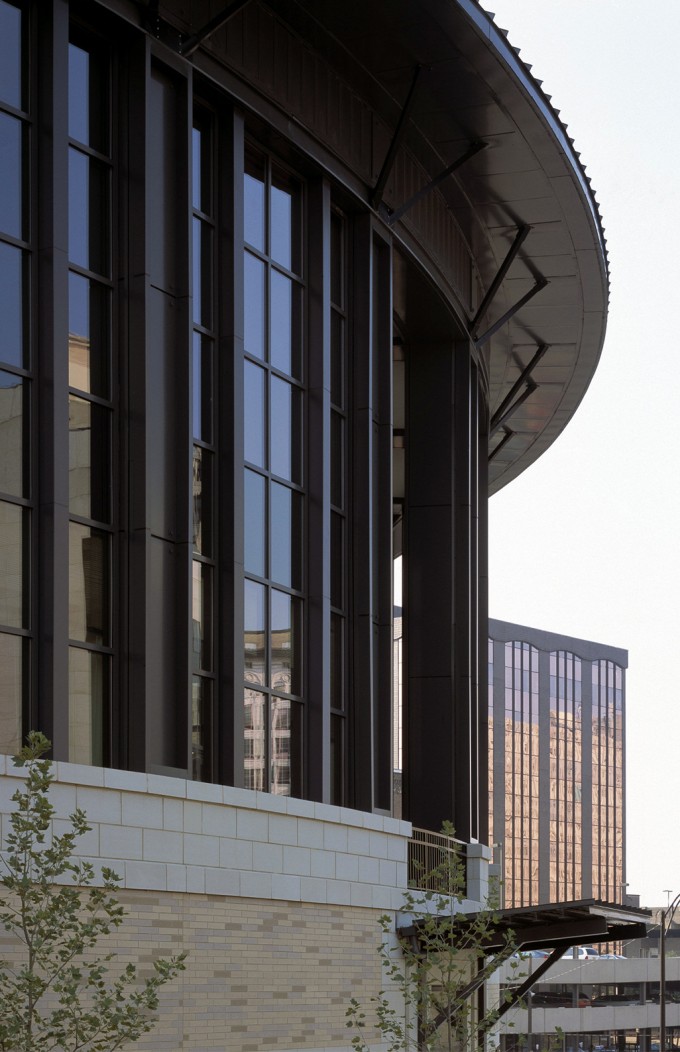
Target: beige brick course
(261,975)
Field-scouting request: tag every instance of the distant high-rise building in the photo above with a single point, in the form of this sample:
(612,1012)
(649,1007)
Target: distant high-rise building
(556,765)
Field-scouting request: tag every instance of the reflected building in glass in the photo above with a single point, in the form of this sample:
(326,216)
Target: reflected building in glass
(556,765)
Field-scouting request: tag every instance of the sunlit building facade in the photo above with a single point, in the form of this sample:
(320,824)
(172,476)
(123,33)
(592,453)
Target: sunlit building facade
(557,770)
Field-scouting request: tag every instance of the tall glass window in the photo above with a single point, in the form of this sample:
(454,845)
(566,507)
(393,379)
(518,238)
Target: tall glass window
(607,779)
(274,483)
(16,373)
(90,398)
(566,777)
(204,447)
(521,775)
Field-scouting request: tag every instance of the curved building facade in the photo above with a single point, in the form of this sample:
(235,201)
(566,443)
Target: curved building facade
(288,289)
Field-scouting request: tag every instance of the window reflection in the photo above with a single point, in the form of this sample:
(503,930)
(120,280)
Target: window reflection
(254,306)
(255,739)
(202,586)
(88,699)
(88,213)
(201,728)
(88,584)
(11,151)
(13,588)
(11,693)
(202,500)
(12,467)
(254,633)
(89,459)
(10,55)
(254,524)
(253,201)
(88,336)
(88,118)
(254,414)
(285,531)
(12,306)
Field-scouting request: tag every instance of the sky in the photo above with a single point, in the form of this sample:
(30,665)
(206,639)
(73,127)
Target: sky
(587,541)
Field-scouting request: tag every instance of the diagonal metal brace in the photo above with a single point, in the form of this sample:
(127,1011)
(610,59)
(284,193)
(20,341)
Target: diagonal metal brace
(193,42)
(480,340)
(500,416)
(528,390)
(530,981)
(509,433)
(520,236)
(376,196)
(473,149)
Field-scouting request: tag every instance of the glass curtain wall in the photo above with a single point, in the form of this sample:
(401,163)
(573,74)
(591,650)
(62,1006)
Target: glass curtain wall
(90,397)
(16,372)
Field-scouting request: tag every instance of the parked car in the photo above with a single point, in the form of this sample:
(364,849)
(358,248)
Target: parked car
(582,953)
(523,954)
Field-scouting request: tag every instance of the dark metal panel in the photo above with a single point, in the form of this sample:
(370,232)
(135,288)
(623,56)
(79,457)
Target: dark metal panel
(382,489)
(319,497)
(482,621)
(428,716)
(51,715)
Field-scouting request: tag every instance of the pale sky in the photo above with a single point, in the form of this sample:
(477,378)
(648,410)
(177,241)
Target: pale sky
(587,541)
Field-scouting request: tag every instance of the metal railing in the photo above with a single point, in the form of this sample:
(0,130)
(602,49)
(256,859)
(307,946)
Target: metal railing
(436,862)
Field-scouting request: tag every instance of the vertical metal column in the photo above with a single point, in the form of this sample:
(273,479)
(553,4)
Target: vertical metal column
(229,712)
(318,691)
(160,446)
(372,643)
(445,700)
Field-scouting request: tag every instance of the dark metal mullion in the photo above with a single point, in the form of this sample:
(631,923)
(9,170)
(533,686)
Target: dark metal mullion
(229,369)
(93,648)
(50,710)
(16,242)
(89,151)
(317,748)
(93,399)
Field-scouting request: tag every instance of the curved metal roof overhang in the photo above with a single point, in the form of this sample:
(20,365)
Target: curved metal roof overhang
(473,87)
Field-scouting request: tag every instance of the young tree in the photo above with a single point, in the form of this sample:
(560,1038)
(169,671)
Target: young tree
(60,995)
(433,968)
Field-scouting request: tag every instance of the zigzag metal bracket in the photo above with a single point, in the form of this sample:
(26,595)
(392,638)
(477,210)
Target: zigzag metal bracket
(503,442)
(520,237)
(473,149)
(486,336)
(376,196)
(509,404)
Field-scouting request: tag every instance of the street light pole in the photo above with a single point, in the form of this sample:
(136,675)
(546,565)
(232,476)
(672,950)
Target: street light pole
(666,921)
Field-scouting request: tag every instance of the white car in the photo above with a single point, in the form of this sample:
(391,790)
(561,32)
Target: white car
(582,953)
